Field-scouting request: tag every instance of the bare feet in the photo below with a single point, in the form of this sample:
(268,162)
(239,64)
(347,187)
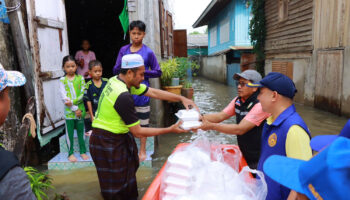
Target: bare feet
(142,156)
(72,158)
(84,156)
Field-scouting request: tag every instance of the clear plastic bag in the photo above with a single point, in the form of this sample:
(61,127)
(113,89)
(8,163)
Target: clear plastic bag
(203,171)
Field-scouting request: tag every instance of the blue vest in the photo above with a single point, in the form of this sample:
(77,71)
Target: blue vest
(274,143)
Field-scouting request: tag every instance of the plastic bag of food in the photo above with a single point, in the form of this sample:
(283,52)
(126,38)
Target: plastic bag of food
(209,171)
(177,177)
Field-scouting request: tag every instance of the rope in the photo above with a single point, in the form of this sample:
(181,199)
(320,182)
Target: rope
(32,123)
(12,8)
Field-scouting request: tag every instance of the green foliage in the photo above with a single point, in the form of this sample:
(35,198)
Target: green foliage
(183,65)
(187,84)
(169,71)
(194,67)
(39,182)
(176,68)
(195,33)
(257,31)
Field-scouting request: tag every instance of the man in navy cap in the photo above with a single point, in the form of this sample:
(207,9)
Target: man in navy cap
(326,176)
(249,117)
(284,133)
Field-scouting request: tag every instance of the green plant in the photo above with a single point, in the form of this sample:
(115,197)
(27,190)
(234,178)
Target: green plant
(194,67)
(183,65)
(169,71)
(39,182)
(176,68)
(187,84)
(257,31)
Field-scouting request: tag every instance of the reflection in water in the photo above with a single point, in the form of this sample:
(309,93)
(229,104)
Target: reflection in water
(210,97)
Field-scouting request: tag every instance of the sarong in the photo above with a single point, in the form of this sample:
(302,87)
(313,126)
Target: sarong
(116,160)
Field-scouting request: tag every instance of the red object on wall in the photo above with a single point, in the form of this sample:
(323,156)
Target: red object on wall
(180,43)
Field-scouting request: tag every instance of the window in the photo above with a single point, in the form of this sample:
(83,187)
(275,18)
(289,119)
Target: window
(213,36)
(225,30)
(283,67)
(282,10)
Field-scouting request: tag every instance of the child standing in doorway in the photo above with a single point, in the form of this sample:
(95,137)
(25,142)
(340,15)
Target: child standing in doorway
(137,33)
(83,57)
(94,88)
(72,88)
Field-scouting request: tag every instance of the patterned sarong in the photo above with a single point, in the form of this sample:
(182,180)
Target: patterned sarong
(116,160)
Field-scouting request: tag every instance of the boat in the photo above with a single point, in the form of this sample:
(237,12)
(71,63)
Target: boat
(153,190)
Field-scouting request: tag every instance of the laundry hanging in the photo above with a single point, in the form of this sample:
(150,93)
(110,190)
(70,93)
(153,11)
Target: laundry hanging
(3,13)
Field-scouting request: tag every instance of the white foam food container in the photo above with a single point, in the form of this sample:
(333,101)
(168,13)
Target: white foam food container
(188,115)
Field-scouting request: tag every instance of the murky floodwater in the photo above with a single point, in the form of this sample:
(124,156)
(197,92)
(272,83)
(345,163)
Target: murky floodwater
(210,97)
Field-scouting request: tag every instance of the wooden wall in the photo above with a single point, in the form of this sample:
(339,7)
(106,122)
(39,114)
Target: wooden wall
(294,33)
(329,78)
(332,23)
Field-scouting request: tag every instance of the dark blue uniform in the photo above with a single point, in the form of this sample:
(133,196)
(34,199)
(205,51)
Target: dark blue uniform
(92,93)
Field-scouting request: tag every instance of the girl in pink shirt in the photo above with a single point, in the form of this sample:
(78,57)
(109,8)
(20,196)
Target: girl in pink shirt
(83,58)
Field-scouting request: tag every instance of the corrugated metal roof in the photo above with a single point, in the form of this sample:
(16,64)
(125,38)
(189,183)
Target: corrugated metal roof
(210,12)
(197,40)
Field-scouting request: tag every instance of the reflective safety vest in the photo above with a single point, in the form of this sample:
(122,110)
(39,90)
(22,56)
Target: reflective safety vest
(75,91)
(250,142)
(107,118)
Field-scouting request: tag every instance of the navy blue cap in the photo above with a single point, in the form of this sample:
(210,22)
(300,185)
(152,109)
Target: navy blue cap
(325,176)
(278,82)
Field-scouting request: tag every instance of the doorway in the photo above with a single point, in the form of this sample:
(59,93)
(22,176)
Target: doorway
(98,22)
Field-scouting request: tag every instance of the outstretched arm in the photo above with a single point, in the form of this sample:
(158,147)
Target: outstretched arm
(217,117)
(164,95)
(234,129)
(139,131)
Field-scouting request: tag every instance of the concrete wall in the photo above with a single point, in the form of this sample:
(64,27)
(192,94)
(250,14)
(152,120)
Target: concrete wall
(214,68)
(148,12)
(345,100)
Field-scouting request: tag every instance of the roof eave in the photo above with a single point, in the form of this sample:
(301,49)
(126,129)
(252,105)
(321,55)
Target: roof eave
(205,12)
(212,9)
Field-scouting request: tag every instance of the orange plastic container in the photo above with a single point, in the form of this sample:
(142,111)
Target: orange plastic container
(153,190)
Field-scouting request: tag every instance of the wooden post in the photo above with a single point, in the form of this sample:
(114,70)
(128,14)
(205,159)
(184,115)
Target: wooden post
(23,51)
(24,129)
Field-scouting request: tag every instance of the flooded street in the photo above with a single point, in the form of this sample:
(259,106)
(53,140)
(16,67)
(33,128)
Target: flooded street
(210,97)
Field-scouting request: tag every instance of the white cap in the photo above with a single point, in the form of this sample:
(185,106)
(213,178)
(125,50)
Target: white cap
(132,61)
